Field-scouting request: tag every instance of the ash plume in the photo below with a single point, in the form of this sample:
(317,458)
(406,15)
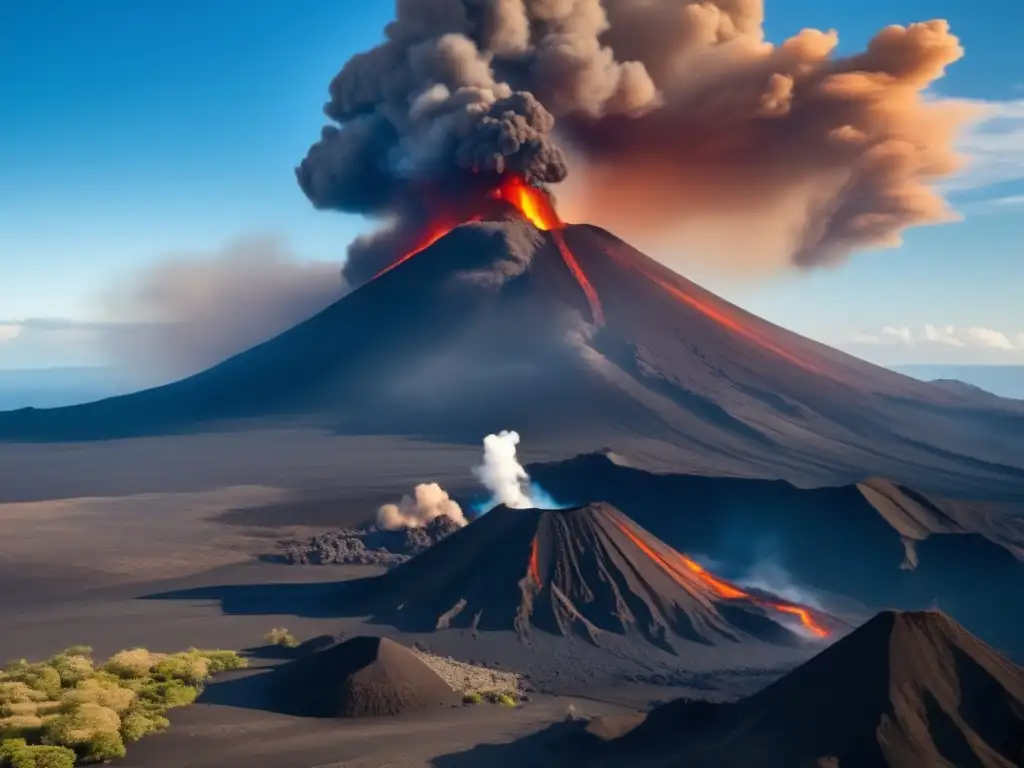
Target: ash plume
(681,115)
(428,502)
(191,311)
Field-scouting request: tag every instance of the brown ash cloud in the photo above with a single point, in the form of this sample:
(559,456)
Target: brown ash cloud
(680,118)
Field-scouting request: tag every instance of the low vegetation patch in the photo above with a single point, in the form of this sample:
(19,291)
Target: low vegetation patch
(70,710)
(282,637)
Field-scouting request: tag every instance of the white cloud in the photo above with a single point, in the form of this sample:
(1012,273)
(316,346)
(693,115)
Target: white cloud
(986,337)
(994,147)
(974,337)
(944,335)
(902,334)
(9,331)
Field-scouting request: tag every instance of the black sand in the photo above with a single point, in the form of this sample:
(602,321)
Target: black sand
(903,691)
(361,677)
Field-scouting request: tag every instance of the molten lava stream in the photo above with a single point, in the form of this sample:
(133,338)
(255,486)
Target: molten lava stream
(596,311)
(720,317)
(721,588)
(535,561)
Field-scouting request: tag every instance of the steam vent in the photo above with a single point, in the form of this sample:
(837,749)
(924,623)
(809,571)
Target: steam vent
(585,571)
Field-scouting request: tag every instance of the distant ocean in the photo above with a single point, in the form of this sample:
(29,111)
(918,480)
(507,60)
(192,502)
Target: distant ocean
(52,387)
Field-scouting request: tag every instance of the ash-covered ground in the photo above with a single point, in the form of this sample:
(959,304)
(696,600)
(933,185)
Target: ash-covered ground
(367,545)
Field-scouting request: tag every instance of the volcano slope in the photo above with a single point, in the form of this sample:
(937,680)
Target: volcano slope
(904,690)
(882,544)
(575,339)
(588,572)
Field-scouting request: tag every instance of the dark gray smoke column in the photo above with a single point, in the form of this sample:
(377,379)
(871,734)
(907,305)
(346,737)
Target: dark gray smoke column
(452,95)
(685,116)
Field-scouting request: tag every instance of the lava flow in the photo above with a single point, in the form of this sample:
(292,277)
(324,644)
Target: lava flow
(536,207)
(721,588)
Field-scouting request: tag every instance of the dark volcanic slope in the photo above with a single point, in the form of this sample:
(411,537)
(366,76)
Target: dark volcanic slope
(883,544)
(587,572)
(361,677)
(489,329)
(905,690)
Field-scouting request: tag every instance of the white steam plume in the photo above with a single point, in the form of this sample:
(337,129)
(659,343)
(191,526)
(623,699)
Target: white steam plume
(502,474)
(429,501)
(506,479)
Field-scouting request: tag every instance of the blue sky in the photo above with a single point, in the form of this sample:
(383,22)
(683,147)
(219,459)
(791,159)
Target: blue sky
(138,129)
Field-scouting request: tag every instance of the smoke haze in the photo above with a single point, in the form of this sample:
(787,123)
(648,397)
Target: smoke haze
(429,501)
(680,118)
(191,311)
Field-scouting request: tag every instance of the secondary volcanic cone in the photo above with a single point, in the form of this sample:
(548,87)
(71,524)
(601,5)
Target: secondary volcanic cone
(361,677)
(902,691)
(584,571)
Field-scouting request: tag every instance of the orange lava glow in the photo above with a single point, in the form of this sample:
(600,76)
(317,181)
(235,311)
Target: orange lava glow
(533,203)
(805,617)
(730,323)
(535,562)
(536,207)
(721,588)
(438,229)
(596,311)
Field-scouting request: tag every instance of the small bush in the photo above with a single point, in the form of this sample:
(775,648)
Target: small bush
(21,727)
(80,724)
(281,636)
(136,724)
(505,700)
(40,678)
(167,695)
(100,690)
(17,692)
(186,667)
(134,663)
(222,661)
(78,650)
(72,669)
(26,756)
(472,698)
(104,746)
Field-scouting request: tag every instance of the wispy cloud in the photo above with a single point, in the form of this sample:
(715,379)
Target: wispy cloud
(974,337)
(9,331)
(994,147)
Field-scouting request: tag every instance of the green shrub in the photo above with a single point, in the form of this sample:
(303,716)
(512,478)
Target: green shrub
(78,650)
(21,727)
(167,695)
(99,690)
(40,678)
(134,663)
(136,724)
(80,724)
(281,636)
(186,667)
(41,757)
(102,747)
(472,698)
(222,661)
(17,692)
(506,701)
(71,668)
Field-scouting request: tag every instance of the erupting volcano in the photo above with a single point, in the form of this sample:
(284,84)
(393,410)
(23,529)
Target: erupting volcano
(530,201)
(511,317)
(589,572)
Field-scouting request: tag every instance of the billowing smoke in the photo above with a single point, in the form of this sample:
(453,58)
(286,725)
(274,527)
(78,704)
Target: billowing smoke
(192,311)
(682,116)
(507,479)
(428,502)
